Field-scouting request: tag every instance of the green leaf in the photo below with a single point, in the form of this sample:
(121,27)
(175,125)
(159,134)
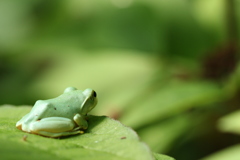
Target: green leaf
(104,139)
(231,153)
(18,150)
(170,100)
(230,123)
(164,133)
(162,157)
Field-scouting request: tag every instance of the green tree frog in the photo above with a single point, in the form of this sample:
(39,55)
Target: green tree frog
(60,116)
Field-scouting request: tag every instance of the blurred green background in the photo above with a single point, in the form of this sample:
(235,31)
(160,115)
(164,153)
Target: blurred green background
(167,68)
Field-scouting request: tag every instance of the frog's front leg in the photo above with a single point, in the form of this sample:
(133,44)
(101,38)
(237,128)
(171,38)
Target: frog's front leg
(54,127)
(81,122)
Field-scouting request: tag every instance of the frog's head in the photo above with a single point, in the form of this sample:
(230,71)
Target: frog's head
(90,101)
(89,98)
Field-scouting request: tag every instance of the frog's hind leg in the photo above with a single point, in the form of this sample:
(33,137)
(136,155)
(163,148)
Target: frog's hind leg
(61,134)
(54,127)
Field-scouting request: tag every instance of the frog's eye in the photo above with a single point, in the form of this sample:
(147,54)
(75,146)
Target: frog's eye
(94,94)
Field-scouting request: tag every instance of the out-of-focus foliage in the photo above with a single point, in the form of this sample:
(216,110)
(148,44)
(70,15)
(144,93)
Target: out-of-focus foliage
(167,68)
(229,153)
(230,123)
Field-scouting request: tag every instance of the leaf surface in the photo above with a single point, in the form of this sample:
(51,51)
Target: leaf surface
(162,157)
(104,139)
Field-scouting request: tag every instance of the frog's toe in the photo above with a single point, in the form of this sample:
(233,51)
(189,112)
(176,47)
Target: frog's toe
(77,128)
(19,126)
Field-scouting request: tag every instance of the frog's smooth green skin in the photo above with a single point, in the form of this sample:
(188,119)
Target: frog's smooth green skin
(60,116)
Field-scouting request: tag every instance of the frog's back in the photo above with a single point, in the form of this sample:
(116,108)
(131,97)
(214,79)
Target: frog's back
(66,105)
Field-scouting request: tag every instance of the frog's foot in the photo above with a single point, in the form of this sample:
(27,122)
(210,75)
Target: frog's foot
(19,123)
(53,127)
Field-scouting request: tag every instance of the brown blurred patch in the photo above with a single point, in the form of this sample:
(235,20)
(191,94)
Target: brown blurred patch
(221,62)
(115,113)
